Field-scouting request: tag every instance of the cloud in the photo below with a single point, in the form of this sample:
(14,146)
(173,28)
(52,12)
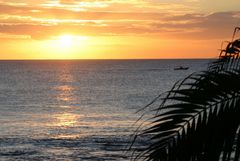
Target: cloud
(43,22)
(53,13)
(212,26)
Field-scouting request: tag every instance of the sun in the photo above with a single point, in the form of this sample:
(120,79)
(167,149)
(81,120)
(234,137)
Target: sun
(65,40)
(66,46)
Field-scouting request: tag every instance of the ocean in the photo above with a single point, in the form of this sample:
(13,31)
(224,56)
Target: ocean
(79,109)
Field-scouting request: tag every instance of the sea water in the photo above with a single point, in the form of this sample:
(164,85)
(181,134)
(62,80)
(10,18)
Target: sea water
(78,110)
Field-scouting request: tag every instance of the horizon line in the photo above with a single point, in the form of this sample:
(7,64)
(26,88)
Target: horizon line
(106,59)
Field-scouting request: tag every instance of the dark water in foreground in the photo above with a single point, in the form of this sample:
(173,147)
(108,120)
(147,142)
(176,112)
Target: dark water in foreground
(78,110)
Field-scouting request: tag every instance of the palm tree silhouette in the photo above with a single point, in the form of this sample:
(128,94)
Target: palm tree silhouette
(199,118)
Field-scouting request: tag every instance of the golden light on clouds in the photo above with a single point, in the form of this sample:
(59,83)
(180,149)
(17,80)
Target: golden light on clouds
(110,29)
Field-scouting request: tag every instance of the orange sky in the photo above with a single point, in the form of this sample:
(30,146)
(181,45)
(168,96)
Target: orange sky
(115,29)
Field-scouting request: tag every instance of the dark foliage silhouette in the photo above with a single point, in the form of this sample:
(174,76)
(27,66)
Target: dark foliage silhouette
(199,118)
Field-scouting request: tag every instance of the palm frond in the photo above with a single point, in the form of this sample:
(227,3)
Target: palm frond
(198,119)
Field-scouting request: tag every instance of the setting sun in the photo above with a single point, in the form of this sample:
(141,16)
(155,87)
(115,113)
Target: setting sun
(65,40)
(63,47)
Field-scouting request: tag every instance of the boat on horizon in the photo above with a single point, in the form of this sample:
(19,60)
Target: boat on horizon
(181,68)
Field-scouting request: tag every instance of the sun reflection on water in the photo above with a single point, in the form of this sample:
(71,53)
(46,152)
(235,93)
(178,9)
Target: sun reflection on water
(65,89)
(64,124)
(65,116)
(65,119)
(65,93)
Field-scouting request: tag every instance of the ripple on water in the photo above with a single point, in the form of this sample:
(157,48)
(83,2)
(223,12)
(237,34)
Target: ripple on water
(87,148)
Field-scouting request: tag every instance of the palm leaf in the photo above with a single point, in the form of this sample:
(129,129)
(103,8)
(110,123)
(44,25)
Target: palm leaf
(198,119)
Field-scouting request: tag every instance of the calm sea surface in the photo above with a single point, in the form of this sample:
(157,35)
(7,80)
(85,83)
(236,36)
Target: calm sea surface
(78,110)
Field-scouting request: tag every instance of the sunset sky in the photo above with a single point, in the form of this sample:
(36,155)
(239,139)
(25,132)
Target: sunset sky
(115,29)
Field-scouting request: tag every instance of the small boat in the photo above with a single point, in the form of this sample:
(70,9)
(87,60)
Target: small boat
(181,68)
